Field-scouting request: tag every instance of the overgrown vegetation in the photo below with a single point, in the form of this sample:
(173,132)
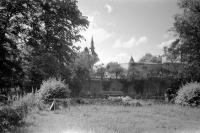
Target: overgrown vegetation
(53,88)
(117,119)
(189,94)
(185,49)
(13,114)
(37,41)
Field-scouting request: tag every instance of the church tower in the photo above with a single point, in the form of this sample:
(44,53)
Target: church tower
(131,60)
(131,63)
(92,48)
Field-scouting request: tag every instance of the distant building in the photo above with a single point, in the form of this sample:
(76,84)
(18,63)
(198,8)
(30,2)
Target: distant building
(145,70)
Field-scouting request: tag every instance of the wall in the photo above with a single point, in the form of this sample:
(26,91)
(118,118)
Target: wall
(141,88)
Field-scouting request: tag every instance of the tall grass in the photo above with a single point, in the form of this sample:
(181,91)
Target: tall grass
(13,114)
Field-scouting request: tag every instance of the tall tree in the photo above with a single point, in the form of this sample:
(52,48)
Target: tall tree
(172,53)
(100,70)
(56,28)
(38,29)
(85,59)
(115,68)
(187,30)
(83,68)
(149,58)
(14,21)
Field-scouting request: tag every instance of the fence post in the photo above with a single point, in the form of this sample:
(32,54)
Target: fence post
(54,101)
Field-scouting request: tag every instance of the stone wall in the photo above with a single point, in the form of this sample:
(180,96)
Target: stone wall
(141,88)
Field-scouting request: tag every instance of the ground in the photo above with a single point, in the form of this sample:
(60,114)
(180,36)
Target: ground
(115,119)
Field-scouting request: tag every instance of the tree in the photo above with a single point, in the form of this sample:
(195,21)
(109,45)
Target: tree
(149,58)
(14,18)
(33,30)
(101,70)
(172,53)
(115,68)
(187,29)
(58,25)
(83,68)
(86,59)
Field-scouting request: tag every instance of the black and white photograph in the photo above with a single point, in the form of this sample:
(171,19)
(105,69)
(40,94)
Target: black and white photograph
(99,66)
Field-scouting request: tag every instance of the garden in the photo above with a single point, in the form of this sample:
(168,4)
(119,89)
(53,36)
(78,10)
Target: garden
(50,84)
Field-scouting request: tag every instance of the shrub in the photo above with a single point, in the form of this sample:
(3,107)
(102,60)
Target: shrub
(9,117)
(189,94)
(172,91)
(53,88)
(13,114)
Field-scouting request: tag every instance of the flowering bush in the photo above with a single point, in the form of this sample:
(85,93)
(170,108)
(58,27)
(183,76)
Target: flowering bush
(189,94)
(53,88)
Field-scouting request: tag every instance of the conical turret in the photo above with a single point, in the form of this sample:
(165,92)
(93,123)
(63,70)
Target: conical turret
(131,60)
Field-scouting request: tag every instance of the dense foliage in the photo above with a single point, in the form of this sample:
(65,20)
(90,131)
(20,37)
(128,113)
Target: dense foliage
(12,115)
(115,69)
(186,48)
(36,33)
(189,94)
(149,58)
(53,88)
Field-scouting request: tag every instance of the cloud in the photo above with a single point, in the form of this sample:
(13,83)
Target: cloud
(117,44)
(120,58)
(96,13)
(141,40)
(100,34)
(108,7)
(166,43)
(91,19)
(130,43)
(110,24)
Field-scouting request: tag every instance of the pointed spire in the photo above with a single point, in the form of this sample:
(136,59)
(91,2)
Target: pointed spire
(92,44)
(92,48)
(131,60)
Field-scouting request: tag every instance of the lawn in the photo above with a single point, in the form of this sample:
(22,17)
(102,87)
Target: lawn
(115,119)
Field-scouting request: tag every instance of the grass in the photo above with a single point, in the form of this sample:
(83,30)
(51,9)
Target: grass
(115,119)
(11,115)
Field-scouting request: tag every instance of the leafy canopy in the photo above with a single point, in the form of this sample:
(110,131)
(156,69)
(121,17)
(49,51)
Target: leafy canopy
(187,31)
(35,30)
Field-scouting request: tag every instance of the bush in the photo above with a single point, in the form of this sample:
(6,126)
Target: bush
(9,117)
(12,115)
(172,91)
(53,88)
(189,94)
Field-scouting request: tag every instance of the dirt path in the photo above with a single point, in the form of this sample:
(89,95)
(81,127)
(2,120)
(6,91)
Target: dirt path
(115,119)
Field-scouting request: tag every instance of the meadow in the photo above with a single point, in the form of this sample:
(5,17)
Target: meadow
(155,118)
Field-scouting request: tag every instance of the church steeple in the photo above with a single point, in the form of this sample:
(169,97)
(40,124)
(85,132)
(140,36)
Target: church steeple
(92,48)
(131,60)
(92,44)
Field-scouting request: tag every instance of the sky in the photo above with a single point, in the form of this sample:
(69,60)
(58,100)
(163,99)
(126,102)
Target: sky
(125,28)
